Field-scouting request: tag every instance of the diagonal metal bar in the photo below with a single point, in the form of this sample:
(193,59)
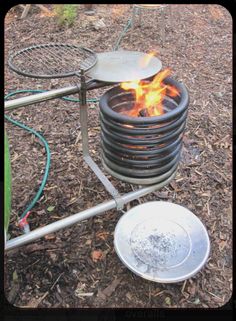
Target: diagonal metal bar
(83,215)
(88,159)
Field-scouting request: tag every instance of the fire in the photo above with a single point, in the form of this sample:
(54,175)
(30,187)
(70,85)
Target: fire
(149,96)
(146,59)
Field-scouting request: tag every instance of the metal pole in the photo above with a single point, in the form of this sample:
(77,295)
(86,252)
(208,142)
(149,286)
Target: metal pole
(37,98)
(85,146)
(68,221)
(162,26)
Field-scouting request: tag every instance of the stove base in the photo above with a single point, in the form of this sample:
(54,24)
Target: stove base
(143,181)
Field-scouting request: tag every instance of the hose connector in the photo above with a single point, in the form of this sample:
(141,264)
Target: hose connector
(23,224)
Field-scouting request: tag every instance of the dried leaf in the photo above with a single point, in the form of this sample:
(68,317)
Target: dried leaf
(197,301)
(208,194)
(111,287)
(162,195)
(50,236)
(88,242)
(80,287)
(223,236)
(15,157)
(34,303)
(96,255)
(53,256)
(41,212)
(129,296)
(107,292)
(222,245)
(173,185)
(192,289)
(102,235)
(39,247)
(84,294)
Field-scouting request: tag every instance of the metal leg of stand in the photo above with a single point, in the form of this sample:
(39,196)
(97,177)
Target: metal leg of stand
(84,215)
(132,23)
(163,27)
(88,159)
(25,11)
(170,15)
(139,12)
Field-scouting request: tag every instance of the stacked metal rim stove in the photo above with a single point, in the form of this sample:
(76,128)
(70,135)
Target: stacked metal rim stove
(142,150)
(138,150)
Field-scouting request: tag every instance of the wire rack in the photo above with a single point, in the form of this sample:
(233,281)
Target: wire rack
(53,60)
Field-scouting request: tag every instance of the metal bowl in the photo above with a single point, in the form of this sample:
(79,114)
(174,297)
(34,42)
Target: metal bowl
(162,242)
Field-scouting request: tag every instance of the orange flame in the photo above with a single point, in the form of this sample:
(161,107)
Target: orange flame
(146,59)
(149,96)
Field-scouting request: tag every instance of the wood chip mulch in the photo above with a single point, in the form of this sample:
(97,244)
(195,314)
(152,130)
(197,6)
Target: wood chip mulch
(77,266)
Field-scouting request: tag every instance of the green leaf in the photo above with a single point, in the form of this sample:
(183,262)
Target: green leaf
(7,184)
(168,300)
(50,208)
(15,276)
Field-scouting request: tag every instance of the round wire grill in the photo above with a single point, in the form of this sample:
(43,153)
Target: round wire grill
(53,60)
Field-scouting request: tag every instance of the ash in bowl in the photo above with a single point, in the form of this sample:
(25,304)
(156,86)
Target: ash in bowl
(162,244)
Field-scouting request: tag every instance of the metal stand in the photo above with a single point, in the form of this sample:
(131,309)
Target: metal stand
(88,159)
(137,10)
(118,200)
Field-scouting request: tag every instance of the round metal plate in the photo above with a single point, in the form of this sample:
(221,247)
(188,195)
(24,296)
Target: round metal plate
(162,242)
(120,66)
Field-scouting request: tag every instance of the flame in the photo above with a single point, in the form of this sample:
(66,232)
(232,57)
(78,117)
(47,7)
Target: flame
(149,96)
(146,59)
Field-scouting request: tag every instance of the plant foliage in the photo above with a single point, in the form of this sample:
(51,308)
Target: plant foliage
(7,184)
(66,13)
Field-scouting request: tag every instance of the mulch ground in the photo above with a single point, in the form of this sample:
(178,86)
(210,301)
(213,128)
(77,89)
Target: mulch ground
(77,266)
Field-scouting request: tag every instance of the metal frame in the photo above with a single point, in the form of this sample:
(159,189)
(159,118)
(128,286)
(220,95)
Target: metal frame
(89,59)
(88,159)
(118,200)
(137,9)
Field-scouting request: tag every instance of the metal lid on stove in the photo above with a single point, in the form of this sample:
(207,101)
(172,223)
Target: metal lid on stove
(162,242)
(123,65)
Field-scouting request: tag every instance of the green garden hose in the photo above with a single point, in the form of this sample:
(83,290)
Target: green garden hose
(127,26)
(31,130)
